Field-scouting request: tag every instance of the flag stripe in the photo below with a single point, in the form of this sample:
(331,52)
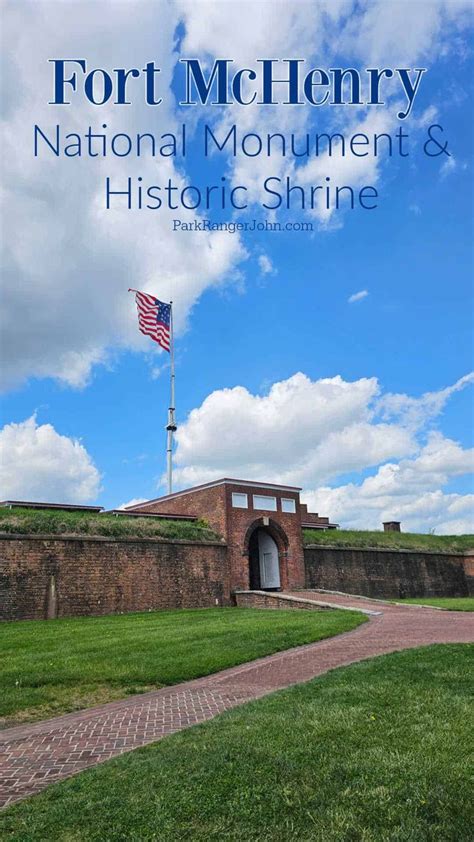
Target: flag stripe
(154,318)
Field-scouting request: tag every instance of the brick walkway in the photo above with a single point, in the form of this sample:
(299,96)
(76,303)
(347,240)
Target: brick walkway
(34,756)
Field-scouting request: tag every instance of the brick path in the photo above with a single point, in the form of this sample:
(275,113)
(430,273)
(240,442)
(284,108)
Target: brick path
(34,756)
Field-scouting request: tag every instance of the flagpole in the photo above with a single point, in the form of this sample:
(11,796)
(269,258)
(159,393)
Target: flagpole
(171,426)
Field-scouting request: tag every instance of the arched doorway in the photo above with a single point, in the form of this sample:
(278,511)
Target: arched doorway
(264,562)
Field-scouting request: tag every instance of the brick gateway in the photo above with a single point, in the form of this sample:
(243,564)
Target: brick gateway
(261,523)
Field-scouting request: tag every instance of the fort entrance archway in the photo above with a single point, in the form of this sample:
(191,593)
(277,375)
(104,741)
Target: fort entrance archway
(266,544)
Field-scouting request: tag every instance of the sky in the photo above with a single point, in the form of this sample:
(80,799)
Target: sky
(338,359)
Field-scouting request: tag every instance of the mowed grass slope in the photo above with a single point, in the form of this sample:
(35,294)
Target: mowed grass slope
(59,522)
(49,667)
(375,752)
(449,603)
(389,540)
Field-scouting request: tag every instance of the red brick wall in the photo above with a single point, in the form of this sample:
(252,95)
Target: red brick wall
(386,573)
(468,564)
(311,517)
(102,576)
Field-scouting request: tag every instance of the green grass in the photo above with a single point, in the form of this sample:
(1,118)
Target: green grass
(455,603)
(374,752)
(49,667)
(389,540)
(57,522)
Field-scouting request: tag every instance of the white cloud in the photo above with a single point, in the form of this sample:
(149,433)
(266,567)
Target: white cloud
(291,32)
(369,34)
(410,491)
(414,411)
(68,261)
(445,514)
(247,31)
(65,254)
(447,167)
(358,296)
(133,502)
(299,430)
(353,171)
(312,432)
(39,464)
(398,34)
(265,265)
(158,370)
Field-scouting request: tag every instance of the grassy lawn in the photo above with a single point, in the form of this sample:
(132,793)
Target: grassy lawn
(49,667)
(454,603)
(389,540)
(374,752)
(57,522)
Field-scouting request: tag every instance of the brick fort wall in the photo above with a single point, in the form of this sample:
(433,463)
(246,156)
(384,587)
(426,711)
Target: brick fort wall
(387,573)
(45,577)
(42,576)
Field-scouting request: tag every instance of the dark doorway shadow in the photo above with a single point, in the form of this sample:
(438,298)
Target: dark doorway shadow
(254,562)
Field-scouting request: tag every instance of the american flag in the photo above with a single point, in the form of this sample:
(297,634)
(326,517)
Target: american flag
(154,318)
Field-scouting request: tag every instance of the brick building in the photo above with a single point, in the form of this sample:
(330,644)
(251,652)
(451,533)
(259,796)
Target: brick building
(261,524)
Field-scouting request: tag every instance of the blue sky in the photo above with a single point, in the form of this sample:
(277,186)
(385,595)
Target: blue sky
(279,377)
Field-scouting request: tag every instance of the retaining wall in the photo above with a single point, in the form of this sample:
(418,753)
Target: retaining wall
(388,573)
(266,599)
(45,576)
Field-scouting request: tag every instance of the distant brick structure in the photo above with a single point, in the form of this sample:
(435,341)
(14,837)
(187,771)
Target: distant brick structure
(261,524)
(392,526)
(311,520)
